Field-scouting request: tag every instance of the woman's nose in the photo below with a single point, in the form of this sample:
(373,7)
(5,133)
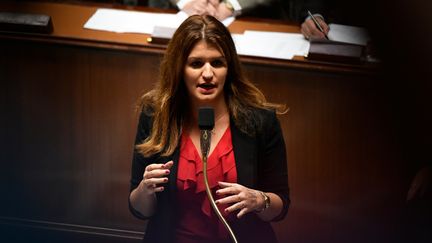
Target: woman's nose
(207,71)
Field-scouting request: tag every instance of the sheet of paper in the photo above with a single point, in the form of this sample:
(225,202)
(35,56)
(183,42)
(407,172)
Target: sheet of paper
(271,44)
(348,34)
(127,21)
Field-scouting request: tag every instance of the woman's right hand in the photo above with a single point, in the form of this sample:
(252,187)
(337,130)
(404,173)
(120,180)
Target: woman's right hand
(154,176)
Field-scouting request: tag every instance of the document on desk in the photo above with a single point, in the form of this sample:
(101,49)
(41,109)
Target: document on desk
(127,21)
(271,44)
(348,34)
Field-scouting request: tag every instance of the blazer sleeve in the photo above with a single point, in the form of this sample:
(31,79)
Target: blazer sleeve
(139,162)
(272,166)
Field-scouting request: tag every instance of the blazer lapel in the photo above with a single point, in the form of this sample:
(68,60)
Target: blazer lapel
(246,156)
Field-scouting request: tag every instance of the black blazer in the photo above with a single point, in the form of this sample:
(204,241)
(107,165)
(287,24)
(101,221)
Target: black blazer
(261,164)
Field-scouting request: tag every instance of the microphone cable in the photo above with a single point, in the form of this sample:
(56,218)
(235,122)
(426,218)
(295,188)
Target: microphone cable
(206,124)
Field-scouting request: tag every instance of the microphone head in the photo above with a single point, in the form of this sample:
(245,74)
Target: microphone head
(206,118)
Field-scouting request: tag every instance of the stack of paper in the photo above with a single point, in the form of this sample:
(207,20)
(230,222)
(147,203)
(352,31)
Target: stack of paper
(271,44)
(126,21)
(348,34)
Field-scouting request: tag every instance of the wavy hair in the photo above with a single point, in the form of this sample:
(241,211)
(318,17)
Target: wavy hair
(166,101)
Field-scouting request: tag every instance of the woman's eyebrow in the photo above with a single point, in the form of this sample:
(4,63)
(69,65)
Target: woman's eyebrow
(205,58)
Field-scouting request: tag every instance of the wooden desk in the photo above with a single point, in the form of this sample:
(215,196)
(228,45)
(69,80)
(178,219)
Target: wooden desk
(68,126)
(69,21)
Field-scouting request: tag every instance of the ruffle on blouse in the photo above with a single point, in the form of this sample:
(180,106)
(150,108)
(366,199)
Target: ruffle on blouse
(220,167)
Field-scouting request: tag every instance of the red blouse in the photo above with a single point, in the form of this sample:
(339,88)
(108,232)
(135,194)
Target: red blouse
(197,221)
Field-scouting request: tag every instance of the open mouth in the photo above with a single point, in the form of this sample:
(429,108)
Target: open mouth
(207,86)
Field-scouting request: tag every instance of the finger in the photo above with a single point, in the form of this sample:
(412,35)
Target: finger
(210,10)
(191,7)
(159,189)
(156,173)
(314,32)
(200,7)
(223,184)
(227,191)
(153,189)
(310,24)
(168,164)
(318,35)
(151,167)
(155,181)
(229,199)
(305,34)
(235,207)
(305,30)
(243,212)
(215,3)
(324,25)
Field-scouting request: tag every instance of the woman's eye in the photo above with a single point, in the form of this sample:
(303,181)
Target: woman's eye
(196,64)
(217,63)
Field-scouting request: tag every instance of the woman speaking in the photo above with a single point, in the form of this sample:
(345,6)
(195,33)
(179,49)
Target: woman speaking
(247,166)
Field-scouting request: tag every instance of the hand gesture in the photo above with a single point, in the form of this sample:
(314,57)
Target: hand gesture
(240,198)
(154,175)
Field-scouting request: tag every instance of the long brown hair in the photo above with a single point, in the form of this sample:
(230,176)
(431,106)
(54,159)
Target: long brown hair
(166,102)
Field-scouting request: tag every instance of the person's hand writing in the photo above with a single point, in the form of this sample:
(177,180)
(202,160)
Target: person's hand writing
(199,7)
(154,175)
(240,198)
(311,31)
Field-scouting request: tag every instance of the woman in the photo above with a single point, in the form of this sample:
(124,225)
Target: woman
(247,161)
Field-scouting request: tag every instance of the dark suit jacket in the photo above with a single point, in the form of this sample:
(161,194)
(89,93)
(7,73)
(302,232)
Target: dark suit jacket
(261,164)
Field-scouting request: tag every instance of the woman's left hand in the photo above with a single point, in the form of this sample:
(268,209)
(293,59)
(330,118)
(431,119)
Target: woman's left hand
(240,197)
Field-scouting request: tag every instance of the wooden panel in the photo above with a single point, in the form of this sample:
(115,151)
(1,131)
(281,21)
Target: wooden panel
(69,131)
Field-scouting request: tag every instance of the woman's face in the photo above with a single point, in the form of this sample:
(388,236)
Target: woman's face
(204,75)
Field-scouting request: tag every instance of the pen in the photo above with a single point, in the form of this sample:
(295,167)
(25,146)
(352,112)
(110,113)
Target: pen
(317,24)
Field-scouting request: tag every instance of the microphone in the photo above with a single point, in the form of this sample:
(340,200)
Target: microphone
(206,125)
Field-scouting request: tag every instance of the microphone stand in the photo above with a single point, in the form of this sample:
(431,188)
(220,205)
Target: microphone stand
(205,139)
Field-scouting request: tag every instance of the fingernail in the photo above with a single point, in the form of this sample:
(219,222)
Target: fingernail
(217,202)
(217,192)
(167,172)
(226,210)
(166,179)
